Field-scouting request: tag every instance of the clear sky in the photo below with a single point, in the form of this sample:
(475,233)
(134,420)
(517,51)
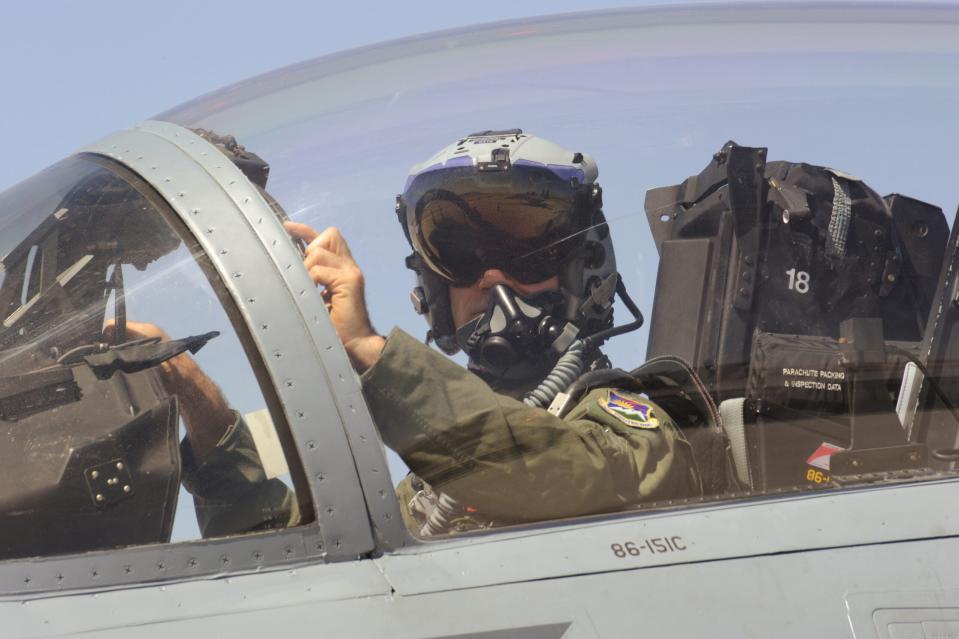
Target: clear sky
(75,71)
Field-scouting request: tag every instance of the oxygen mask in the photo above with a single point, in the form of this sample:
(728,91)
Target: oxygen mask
(518,338)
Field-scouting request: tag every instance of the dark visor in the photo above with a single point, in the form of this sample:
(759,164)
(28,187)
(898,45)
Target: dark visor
(524,221)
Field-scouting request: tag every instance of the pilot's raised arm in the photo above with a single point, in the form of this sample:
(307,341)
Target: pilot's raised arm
(221,466)
(515,266)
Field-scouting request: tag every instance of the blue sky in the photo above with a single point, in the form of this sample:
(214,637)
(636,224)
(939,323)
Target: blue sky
(75,71)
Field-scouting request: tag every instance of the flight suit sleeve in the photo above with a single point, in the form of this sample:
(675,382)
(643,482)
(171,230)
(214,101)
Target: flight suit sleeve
(512,462)
(230,489)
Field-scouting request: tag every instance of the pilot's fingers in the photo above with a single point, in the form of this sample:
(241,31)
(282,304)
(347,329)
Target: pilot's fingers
(325,276)
(109,330)
(303,231)
(336,278)
(320,255)
(332,240)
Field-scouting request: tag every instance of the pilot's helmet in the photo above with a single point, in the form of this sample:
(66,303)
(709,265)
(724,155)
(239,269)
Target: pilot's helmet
(511,201)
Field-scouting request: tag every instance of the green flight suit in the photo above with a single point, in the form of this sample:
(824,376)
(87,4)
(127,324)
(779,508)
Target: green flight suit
(231,492)
(510,463)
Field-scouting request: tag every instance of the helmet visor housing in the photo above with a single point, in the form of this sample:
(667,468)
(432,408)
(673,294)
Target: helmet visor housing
(524,220)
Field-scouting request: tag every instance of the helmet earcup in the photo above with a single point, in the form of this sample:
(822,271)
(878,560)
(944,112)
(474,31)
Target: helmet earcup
(585,273)
(431,298)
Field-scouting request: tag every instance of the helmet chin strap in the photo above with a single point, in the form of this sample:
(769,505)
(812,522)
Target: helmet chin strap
(517,339)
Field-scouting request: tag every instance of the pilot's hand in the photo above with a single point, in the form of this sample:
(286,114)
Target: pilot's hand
(134,330)
(173,369)
(331,265)
(205,411)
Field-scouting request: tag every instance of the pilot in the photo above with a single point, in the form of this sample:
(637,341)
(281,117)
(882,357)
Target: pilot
(514,267)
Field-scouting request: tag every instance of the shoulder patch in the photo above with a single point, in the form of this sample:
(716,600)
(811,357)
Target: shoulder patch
(632,412)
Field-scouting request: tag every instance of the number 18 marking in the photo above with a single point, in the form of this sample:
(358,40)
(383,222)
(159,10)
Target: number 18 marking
(798,281)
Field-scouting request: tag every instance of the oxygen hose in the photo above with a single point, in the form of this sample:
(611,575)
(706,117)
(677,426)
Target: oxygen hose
(571,363)
(567,370)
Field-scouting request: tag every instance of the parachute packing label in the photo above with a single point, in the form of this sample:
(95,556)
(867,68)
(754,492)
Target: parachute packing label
(820,457)
(632,412)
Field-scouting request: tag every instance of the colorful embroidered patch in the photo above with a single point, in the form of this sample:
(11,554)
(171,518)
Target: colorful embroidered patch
(632,412)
